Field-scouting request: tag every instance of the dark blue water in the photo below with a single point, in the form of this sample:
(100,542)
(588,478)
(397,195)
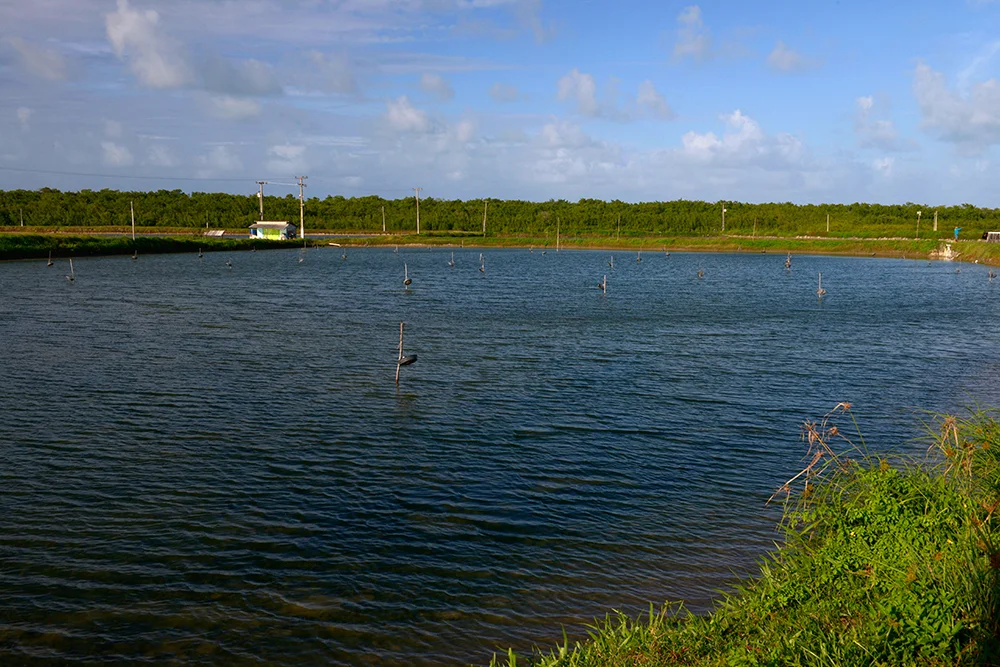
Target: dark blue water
(214,466)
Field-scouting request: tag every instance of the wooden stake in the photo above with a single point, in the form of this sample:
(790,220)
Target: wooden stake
(400,352)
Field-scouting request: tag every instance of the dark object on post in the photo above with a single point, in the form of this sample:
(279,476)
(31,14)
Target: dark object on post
(402,360)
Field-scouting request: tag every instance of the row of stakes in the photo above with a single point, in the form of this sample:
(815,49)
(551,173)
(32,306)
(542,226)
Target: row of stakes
(407,281)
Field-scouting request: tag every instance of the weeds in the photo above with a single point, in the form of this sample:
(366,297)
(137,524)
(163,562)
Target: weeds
(885,562)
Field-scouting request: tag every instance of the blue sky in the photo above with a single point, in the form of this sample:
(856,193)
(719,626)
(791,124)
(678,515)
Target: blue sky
(531,99)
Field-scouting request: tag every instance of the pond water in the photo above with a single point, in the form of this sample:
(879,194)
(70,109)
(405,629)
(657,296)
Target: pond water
(213,465)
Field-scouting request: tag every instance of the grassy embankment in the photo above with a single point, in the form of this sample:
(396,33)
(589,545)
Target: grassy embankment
(74,242)
(28,246)
(885,562)
(986,253)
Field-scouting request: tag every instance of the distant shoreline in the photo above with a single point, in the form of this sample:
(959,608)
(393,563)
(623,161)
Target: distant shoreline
(36,245)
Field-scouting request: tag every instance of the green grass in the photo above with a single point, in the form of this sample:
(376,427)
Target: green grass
(885,562)
(28,246)
(17,245)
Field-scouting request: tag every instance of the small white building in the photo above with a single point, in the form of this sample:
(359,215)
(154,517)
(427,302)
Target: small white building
(272,229)
(993,237)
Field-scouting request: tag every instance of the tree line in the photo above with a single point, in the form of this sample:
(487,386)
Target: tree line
(587,217)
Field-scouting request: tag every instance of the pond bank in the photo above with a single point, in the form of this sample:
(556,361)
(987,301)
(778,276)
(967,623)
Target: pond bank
(38,245)
(885,562)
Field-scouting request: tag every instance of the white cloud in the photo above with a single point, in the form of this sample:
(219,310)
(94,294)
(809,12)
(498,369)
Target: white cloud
(581,89)
(648,99)
(436,85)
(980,62)
(40,61)
(404,117)
(159,155)
(884,165)
(228,107)
(693,39)
(287,158)
(874,129)
(784,59)
(241,77)
(502,92)
(464,131)
(971,121)
(744,142)
(219,160)
(336,73)
(24,117)
(156,59)
(562,134)
(116,155)
(112,129)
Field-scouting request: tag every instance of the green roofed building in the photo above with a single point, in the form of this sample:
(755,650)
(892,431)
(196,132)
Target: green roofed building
(281,229)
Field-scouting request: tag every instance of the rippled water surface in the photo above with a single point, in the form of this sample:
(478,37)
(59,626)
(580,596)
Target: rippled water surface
(211,465)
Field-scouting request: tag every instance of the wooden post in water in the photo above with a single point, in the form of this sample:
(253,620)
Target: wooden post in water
(402,360)
(400,352)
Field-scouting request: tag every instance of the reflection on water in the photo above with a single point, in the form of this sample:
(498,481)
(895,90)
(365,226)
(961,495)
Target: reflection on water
(214,466)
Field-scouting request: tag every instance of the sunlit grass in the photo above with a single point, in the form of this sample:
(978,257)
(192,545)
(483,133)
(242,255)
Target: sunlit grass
(27,246)
(885,562)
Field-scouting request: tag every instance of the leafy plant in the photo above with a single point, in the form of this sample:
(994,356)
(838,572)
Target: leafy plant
(886,561)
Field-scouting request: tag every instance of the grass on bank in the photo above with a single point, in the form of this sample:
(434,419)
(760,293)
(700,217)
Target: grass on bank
(17,245)
(885,562)
(28,246)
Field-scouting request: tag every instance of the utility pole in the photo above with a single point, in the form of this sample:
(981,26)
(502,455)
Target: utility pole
(723,217)
(417,195)
(557,233)
(21,211)
(918,223)
(383,218)
(618,234)
(302,216)
(131,208)
(485,204)
(935,221)
(827,223)
(260,196)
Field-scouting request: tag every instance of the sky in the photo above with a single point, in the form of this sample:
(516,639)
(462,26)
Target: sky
(638,100)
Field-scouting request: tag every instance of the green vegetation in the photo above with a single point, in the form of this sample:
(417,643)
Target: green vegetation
(586,218)
(16,245)
(886,562)
(27,246)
